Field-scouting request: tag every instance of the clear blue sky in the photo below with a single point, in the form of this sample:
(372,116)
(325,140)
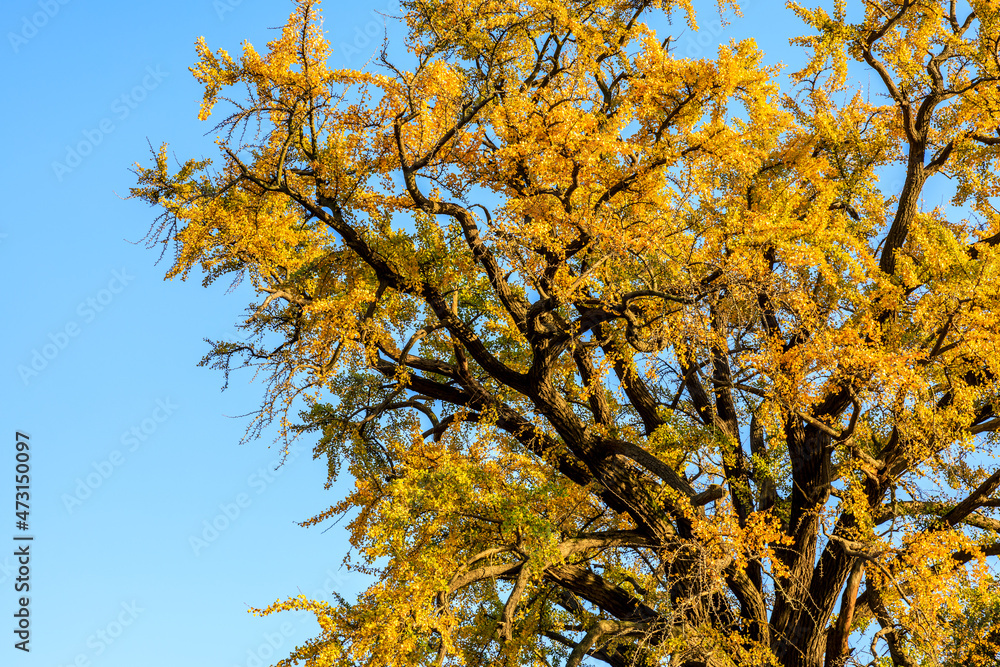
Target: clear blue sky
(133,452)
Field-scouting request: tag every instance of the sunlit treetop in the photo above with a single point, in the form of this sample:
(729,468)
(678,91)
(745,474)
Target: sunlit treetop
(634,359)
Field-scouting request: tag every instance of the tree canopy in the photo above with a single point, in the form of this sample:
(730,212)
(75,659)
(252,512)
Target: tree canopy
(634,358)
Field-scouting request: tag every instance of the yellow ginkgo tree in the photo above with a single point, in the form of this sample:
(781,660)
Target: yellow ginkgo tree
(633,358)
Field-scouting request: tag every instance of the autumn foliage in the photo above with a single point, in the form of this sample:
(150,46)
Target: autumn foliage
(634,359)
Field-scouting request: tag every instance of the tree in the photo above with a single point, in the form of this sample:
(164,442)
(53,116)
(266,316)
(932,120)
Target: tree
(633,357)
